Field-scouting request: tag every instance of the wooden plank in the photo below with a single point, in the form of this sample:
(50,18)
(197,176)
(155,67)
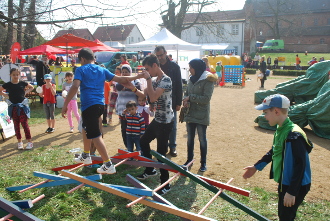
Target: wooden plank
(23,204)
(224,186)
(33,201)
(213,198)
(57,177)
(147,202)
(160,165)
(141,158)
(156,196)
(98,160)
(65,181)
(208,186)
(132,190)
(17,211)
(31,187)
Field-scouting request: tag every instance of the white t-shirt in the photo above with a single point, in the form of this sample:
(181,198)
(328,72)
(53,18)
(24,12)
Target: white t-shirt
(164,112)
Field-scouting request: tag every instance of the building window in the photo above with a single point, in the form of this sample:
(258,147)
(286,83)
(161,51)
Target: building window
(234,29)
(322,41)
(236,50)
(316,21)
(220,30)
(138,39)
(199,31)
(132,39)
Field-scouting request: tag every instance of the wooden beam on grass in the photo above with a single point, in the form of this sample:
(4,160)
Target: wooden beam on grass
(83,184)
(14,210)
(208,186)
(46,181)
(166,167)
(147,202)
(213,198)
(156,196)
(64,181)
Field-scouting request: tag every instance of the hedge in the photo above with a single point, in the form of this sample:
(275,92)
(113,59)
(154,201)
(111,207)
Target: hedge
(289,72)
(279,72)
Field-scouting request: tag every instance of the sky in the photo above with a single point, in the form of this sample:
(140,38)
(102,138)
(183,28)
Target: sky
(144,13)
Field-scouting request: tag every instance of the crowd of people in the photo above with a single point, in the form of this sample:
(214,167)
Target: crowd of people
(161,99)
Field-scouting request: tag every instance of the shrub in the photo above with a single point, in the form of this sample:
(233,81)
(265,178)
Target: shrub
(250,70)
(289,72)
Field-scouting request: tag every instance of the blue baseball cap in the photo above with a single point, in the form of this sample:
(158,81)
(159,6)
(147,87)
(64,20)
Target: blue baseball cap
(47,76)
(275,100)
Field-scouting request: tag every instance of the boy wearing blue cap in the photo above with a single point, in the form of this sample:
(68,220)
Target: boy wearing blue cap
(290,166)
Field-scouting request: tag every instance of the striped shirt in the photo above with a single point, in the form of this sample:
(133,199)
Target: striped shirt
(135,124)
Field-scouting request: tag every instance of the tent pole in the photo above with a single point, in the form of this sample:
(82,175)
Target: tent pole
(177,53)
(67,55)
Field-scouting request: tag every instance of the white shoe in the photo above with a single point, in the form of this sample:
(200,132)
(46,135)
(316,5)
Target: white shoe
(20,146)
(80,159)
(107,170)
(29,146)
(71,129)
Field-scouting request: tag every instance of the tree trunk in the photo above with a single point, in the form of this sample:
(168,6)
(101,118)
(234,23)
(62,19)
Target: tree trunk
(30,29)
(20,13)
(10,30)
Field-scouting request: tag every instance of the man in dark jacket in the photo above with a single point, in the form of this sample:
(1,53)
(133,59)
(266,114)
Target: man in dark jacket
(172,70)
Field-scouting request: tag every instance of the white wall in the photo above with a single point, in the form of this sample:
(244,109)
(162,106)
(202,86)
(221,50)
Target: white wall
(134,37)
(212,34)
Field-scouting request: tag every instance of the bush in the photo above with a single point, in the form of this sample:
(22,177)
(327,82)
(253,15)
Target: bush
(250,71)
(289,72)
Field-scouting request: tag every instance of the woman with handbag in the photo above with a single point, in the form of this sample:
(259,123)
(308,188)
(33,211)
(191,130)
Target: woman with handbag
(197,98)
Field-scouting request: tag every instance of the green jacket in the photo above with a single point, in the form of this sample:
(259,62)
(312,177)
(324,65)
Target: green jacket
(200,95)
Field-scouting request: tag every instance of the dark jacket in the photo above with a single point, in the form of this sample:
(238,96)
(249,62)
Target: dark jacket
(174,72)
(296,170)
(200,95)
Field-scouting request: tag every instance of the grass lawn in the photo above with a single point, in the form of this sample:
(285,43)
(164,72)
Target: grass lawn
(96,205)
(290,58)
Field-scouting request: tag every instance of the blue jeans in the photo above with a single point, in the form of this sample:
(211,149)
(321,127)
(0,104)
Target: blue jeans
(201,131)
(172,139)
(131,140)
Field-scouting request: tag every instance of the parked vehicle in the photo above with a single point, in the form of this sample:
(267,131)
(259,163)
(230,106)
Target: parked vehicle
(112,59)
(273,44)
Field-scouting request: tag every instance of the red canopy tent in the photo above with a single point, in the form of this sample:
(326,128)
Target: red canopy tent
(42,49)
(71,40)
(100,47)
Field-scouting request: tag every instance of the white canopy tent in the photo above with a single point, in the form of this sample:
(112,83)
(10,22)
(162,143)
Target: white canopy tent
(165,38)
(181,51)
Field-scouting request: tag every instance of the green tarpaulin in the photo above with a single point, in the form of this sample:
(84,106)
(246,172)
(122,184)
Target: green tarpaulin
(302,88)
(315,113)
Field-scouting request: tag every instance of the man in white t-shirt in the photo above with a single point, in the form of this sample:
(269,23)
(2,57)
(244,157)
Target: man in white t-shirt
(159,93)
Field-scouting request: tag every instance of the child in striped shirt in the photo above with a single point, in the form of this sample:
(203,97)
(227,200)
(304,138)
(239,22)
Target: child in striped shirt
(135,126)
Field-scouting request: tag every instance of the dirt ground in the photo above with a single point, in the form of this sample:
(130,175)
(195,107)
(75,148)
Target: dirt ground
(234,141)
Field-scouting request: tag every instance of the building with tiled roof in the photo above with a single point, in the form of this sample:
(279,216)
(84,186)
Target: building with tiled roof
(82,33)
(124,34)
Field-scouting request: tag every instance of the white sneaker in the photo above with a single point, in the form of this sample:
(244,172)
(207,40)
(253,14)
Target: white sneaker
(20,146)
(107,170)
(29,146)
(86,161)
(71,129)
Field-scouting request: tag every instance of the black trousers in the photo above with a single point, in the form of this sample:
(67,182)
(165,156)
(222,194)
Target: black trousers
(123,125)
(161,132)
(289,213)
